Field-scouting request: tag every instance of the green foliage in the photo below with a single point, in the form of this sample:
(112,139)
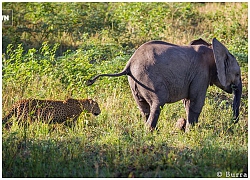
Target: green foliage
(77,66)
(53,48)
(128,24)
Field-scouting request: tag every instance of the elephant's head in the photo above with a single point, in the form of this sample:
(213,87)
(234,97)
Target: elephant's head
(228,76)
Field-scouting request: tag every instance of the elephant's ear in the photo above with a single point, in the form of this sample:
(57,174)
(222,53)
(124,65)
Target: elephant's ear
(220,55)
(199,42)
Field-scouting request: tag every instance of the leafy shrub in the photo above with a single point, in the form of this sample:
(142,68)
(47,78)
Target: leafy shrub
(127,24)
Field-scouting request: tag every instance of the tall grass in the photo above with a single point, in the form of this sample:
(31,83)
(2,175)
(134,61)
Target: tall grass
(116,143)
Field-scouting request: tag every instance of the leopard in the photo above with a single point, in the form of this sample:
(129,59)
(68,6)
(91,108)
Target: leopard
(51,110)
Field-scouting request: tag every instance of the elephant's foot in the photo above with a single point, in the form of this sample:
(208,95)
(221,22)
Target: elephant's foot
(181,124)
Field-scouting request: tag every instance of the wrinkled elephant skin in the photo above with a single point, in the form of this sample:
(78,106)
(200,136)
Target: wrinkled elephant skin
(160,73)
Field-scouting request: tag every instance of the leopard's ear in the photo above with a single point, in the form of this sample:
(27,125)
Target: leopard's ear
(90,101)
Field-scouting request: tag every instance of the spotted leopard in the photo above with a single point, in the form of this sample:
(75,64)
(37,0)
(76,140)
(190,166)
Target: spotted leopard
(55,111)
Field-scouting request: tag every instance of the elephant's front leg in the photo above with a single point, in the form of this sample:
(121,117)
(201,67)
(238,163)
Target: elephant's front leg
(193,110)
(195,101)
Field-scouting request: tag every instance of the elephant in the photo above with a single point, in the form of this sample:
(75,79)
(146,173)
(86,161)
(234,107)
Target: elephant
(160,72)
(199,42)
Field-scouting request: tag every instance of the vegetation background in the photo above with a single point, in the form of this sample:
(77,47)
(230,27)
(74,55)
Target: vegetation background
(53,48)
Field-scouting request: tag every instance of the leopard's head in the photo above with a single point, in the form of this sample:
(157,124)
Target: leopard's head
(91,106)
(94,107)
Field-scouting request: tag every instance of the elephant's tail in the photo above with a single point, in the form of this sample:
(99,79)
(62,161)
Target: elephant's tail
(126,71)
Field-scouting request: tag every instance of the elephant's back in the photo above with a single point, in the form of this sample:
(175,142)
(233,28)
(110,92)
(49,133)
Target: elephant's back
(159,52)
(157,42)
(164,67)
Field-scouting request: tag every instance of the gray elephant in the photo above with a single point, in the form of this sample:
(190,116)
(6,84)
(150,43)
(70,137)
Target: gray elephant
(160,73)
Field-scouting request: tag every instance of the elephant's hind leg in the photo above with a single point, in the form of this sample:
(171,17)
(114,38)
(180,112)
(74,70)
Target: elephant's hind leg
(155,111)
(141,102)
(151,113)
(144,108)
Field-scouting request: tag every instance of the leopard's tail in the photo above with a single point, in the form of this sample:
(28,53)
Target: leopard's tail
(7,117)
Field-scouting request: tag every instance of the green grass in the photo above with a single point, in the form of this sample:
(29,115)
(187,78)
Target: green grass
(116,143)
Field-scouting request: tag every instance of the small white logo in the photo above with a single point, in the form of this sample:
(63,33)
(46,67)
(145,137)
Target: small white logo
(219,174)
(7,17)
